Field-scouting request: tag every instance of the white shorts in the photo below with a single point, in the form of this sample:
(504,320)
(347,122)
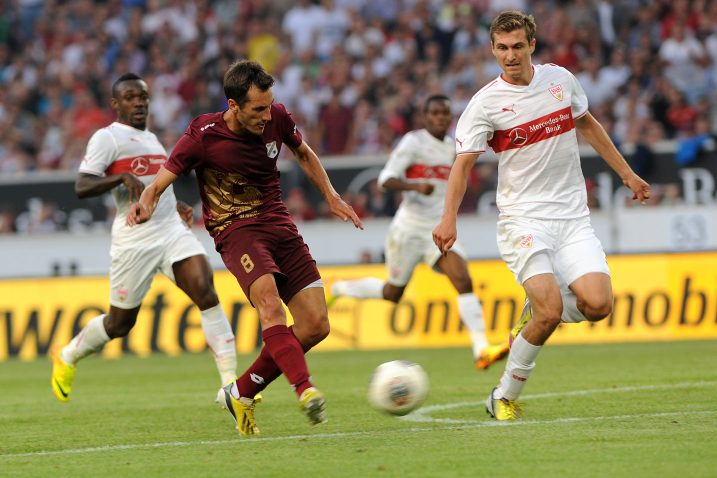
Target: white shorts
(133,269)
(570,245)
(408,247)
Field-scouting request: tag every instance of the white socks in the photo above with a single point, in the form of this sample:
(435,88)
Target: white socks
(215,326)
(90,339)
(220,338)
(521,362)
(471,313)
(571,313)
(366,288)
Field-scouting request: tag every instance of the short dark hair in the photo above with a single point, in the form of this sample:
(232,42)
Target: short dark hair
(433,98)
(241,75)
(126,77)
(511,20)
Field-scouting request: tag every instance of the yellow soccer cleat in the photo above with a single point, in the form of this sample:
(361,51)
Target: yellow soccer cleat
(525,317)
(491,354)
(313,404)
(501,408)
(329,291)
(242,410)
(62,376)
(330,300)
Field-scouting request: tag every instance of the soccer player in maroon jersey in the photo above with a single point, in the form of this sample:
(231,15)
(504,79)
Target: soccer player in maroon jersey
(234,154)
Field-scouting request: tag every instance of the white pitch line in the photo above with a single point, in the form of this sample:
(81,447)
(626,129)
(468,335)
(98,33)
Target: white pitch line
(421,415)
(462,425)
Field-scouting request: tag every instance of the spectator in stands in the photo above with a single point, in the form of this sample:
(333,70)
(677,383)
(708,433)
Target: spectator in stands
(64,53)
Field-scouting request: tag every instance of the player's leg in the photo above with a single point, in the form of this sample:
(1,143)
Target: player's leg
(402,256)
(526,246)
(546,304)
(93,336)
(194,276)
(469,307)
(581,263)
(239,397)
(311,326)
(131,275)
(593,296)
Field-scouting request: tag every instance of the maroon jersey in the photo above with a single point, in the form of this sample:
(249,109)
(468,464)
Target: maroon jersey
(237,174)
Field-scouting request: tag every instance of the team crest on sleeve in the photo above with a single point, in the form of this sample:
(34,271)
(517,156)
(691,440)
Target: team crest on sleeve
(272,150)
(557,92)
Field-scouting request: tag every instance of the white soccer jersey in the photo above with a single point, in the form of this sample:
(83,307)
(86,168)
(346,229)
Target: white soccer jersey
(421,157)
(532,131)
(121,148)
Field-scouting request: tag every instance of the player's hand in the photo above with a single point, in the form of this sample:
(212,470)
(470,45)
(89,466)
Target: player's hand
(639,187)
(445,234)
(186,212)
(343,211)
(425,188)
(138,213)
(133,185)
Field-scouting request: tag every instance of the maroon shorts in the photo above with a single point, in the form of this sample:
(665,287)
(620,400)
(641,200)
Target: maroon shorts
(252,251)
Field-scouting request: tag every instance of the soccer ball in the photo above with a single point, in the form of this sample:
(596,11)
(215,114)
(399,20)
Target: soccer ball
(397,387)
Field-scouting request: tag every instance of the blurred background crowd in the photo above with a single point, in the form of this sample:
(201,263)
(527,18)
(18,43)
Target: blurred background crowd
(353,72)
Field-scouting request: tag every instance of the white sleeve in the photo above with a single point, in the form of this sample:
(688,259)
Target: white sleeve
(473,130)
(101,152)
(400,159)
(578,98)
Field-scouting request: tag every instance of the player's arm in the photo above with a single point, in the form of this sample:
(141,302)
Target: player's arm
(393,175)
(598,138)
(142,210)
(90,185)
(310,164)
(396,184)
(445,233)
(186,212)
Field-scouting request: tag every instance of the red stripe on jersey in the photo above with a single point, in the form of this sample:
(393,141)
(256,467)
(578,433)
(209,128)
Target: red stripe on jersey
(422,171)
(138,165)
(548,126)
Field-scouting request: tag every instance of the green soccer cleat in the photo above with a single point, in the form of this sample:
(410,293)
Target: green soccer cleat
(525,317)
(491,354)
(312,403)
(242,410)
(502,409)
(62,376)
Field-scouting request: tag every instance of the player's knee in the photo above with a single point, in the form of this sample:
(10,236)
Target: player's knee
(118,327)
(596,310)
(463,285)
(312,330)
(392,293)
(202,292)
(321,331)
(270,309)
(547,317)
(207,298)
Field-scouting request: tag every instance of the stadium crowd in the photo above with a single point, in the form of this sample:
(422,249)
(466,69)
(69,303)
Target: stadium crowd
(353,72)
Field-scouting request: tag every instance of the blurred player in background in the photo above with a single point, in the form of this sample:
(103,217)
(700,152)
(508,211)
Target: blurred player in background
(419,167)
(529,116)
(234,153)
(123,157)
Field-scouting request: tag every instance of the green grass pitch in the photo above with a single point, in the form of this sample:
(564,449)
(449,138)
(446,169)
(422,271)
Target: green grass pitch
(615,410)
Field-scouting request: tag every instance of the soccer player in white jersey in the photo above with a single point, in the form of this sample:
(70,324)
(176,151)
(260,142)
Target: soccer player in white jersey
(419,167)
(123,157)
(529,116)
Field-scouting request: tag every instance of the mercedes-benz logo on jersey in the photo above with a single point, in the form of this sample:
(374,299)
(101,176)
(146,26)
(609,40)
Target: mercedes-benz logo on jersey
(518,136)
(140,166)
